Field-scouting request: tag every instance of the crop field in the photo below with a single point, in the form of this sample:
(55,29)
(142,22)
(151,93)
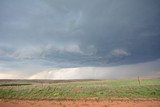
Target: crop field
(79,89)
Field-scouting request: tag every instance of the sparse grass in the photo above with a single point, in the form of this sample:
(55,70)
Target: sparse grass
(100,89)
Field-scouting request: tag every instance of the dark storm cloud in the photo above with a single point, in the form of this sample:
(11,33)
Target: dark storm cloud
(69,33)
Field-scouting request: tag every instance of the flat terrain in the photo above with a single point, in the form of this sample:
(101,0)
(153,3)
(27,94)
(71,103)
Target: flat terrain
(82,93)
(79,89)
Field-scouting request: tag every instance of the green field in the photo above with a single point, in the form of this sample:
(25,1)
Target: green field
(79,89)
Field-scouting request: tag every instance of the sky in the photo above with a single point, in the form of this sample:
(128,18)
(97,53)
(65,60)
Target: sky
(79,39)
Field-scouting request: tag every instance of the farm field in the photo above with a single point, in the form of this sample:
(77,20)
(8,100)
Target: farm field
(68,91)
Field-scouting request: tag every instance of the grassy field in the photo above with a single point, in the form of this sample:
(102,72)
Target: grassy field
(79,89)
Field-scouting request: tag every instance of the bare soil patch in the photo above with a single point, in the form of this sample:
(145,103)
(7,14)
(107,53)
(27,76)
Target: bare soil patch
(81,103)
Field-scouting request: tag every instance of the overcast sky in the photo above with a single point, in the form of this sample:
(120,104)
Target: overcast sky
(36,35)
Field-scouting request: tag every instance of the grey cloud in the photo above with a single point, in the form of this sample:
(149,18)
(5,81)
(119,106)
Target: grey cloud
(38,52)
(119,52)
(79,33)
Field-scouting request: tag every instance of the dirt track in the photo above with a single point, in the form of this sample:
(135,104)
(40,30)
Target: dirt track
(79,103)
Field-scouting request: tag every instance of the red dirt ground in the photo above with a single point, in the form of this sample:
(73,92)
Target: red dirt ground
(80,103)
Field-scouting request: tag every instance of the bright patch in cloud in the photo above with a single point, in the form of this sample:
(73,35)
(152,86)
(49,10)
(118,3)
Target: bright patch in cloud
(119,52)
(118,72)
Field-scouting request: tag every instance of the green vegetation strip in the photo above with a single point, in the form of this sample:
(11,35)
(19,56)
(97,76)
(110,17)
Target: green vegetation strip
(13,84)
(85,90)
